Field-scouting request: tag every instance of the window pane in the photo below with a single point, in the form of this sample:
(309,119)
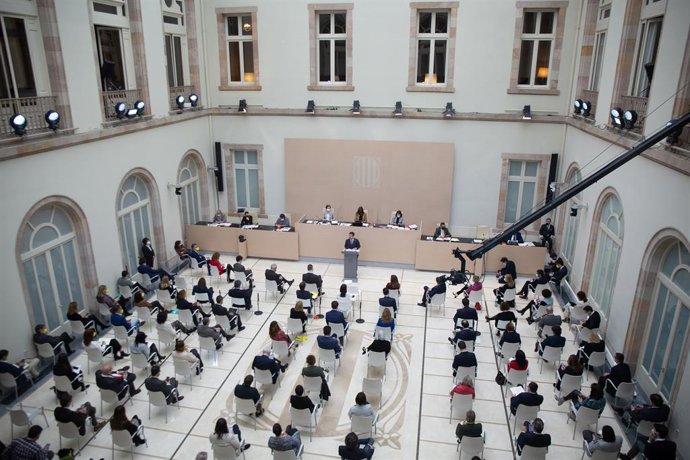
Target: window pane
(20,57)
(233,25)
(675,352)
(541,74)
(424,23)
(671,261)
(324,60)
(241,186)
(340,20)
(514,168)
(43,236)
(5,91)
(524,70)
(239,157)
(664,333)
(247,51)
(325,23)
(110,59)
(169,60)
(423,50)
(531,168)
(32,289)
(45,286)
(682,279)
(527,197)
(654,328)
(546,25)
(529,22)
(140,188)
(598,59)
(73,271)
(252,157)
(340,61)
(128,238)
(440,61)
(184,175)
(441,23)
(60,274)
(179,75)
(246,25)
(234,49)
(253,188)
(512,201)
(185,209)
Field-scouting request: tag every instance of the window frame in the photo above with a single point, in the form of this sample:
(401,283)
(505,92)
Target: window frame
(190,200)
(544,161)
(599,45)
(224,53)
(173,31)
(639,81)
(551,88)
(450,36)
(143,204)
(314,10)
(230,166)
(9,63)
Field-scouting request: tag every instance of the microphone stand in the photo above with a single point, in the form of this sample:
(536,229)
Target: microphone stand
(258,311)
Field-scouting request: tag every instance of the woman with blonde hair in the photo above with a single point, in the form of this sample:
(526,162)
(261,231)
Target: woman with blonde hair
(297,312)
(499,292)
(386,320)
(167,285)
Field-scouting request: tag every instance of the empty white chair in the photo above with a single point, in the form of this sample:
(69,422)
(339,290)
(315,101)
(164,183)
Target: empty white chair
(122,438)
(523,413)
(144,314)
(463,372)
(185,317)
(209,345)
(246,407)
(122,334)
(472,446)
(372,387)
(550,354)
(509,295)
(625,394)
(339,330)
(569,383)
(158,399)
(288,454)
(265,377)
(294,326)
(184,367)
(459,404)
(364,424)
(70,431)
(328,357)
(111,397)
(377,360)
(47,351)
(515,378)
(583,416)
(533,453)
(597,454)
(644,428)
(9,381)
(165,298)
(438,300)
(25,415)
(304,418)
(594,359)
(271,289)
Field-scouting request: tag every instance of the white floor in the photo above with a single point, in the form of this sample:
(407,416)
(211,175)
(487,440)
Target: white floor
(414,420)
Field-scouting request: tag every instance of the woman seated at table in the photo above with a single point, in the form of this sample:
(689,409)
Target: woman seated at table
(397,219)
(360,216)
(297,312)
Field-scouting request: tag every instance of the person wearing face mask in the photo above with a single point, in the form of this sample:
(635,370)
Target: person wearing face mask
(398,219)
(219,217)
(147,251)
(41,336)
(328,213)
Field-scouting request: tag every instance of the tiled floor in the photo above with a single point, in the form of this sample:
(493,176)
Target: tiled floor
(414,412)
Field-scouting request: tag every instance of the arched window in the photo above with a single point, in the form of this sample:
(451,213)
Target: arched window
(666,338)
(134,217)
(188,178)
(607,253)
(571,222)
(50,264)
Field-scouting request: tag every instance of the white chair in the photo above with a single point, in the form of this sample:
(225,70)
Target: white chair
(373,387)
(364,424)
(625,394)
(224,322)
(112,397)
(583,416)
(594,359)
(265,377)
(227,452)
(597,454)
(537,290)
(463,372)
(459,404)
(509,295)
(122,438)
(209,345)
(47,351)
(501,324)
(304,418)
(523,413)
(568,383)
(126,291)
(472,446)
(583,333)
(144,314)
(328,357)
(534,453)
(184,367)
(281,349)
(141,361)
(576,313)
(158,399)
(385,331)
(507,351)
(644,428)
(78,327)
(550,354)
(24,416)
(164,297)
(149,281)
(70,431)
(313,386)
(395,294)
(469,346)
(165,337)
(201,297)
(345,305)
(122,334)
(64,384)
(475,297)
(438,300)
(340,330)
(288,454)
(242,277)
(246,407)
(294,326)
(104,312)
(186,318)
(539,312)
(377,360)
(9,382)
(515,378)
(271,288)
(95,356)
(238,302)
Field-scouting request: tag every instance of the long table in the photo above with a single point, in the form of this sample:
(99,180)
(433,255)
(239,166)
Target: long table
(261,242)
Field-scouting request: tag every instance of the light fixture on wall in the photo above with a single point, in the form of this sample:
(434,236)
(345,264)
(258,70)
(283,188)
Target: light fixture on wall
(179,100)
(176,187)
(193,99)
(574,208)
(356,109)
(586,108)
(139,105)
(449,110)
(527,112)
(617,117)
(398,109)
(311,107)
(243,106)
(577,106)
(672,138)
(18,123)
(629,119)
(52,118)
(131,113)
(120,110)
(555,186)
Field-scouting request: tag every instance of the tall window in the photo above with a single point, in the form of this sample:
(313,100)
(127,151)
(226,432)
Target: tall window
(648,44)
(173,56)
(607,253)
(537,40)
(572,223)
(331,40)
(432,47)
(667,336)
(50,262)
(188,178)
(240,48)
(134,217)
(16,71)
(110,58)
(521,193)
(600,43)
(246,167)
(175,41)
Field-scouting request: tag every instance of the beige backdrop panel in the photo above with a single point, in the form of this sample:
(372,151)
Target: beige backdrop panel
(381,176)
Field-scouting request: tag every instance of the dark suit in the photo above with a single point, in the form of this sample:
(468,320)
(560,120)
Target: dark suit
(336,317)
(465,313)
(67,415)
(619,373)
(526,399)
(243,391)
(589,348)
(510,337)
(468,334)
(533,440)
(651,414)
(148,254)
(464,359)
(313,278)
(219,310)
(15,371)
(246,220)
(428,294)
(302,402)
(515,238)
(352,243)
(660,450)
(471,430)
(239,293)
(559,274)
(441,232)
(329,343)
(305,297)
(509,269)
(546,231)
(156,384)
(116,384)
(389,302)
(277,277)
(380,346)
(65,338)
(264,363)
(555,341)
(593,321)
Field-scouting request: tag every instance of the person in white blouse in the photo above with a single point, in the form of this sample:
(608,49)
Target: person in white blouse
(192,356)
(223,437)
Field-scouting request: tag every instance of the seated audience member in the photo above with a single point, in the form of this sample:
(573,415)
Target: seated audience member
(193,254)
(117,381)
(428,294)
(223,269)
(607,441)
(74,315)
(519,363)
(540,278)
(581,302)
(167,285)
(312,370)
(560,271)
(555,340)
(548,319)
(103,297)
(533,307)
(41,336)
(181,251)
(508,283)
(297,312)
(355,448)
(223,437)
(386,320)
(118,319)
(526,398)
(388,302)
(141,302)
(515,239)
(398,219)
(247,219)
(571,367)
(469,288)
(468,427)
(312,278)
(532,435)
(153,273)
(300,401)
(329,341)
(656,412)
(595,400)
(283,441)
(464,333)
(620,373)
(184,304)
(239,268)
(236,292)
(272,275)
(656,447)
(19,368)
(504,314)
(27,448)
(344,300)
(593,343)
(282,221)
(379,344)
(465,312)
(63,368)
(246,390)
(191,355)
(275,332)
(219,217)
(266,362)
(168,386)
(64,414)
(466,387)
(328,213)
(393,284)
(510,335)
(120,422)
(219,310)
(304,296)
(360,216)
(214,332)
(464,358)
(593,320)
(149,350)
(201,288)
(362,408)
(507,269)
(172,328)
(103,347)
(441,231)
(126,280)
(335,316)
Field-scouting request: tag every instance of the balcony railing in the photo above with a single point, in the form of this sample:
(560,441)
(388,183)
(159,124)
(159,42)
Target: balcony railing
(175,91)
(639,105)
(110,98)
(33,108)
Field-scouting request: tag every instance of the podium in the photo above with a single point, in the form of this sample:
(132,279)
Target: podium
(350,257)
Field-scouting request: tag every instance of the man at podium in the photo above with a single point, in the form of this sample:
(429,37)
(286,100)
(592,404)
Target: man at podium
(352,242)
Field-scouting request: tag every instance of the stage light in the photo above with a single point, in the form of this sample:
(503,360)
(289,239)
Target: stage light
(179,100)
(527,112)
(53,119)
(617,117)
(356,109)
(131,113)
(120,110)
(243,106)
(578,106)
(139,105)
(18,122)
(311,107)
(193,99)
(398,109)
(629,119)
(449,111)
(586,108)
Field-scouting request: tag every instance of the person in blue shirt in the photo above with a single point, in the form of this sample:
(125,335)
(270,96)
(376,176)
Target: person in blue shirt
(118,319)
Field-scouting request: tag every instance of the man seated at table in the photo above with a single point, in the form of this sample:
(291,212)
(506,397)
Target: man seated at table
(441,231)
(388,302)
(312,278)
(282,221)
(247,219)
(515,239)
(219,217)
(351,242)
(273,275)
(429,293)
